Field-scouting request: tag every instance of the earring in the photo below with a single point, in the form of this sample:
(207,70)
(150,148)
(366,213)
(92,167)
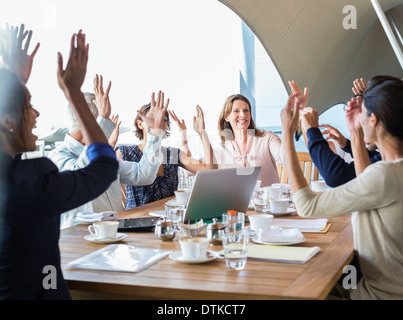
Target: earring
(11,130)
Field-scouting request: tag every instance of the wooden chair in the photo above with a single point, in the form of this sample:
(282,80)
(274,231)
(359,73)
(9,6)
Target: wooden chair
(122,187)
(306,164)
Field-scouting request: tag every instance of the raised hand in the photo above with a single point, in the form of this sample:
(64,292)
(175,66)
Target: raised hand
(359,86)
(102,100)
(198,121)
(353,113)
(309,118)
(334,134)
(181,124)
(290,114)
(71,79)
(15,56)
(155,118)
(295,89)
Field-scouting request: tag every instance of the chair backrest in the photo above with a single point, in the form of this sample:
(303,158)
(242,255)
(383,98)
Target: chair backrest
(307,167)
(122,187)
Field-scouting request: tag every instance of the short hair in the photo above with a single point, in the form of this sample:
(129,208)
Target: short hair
(384,98)
(145,109)
(75,125)
(224,128)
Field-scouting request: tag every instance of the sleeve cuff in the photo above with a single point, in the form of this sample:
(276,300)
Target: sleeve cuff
(97,150)
(314,133)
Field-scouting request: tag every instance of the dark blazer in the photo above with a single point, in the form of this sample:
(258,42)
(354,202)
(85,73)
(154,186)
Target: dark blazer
(33,194)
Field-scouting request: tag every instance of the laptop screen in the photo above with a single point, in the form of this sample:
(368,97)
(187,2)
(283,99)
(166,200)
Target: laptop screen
(216,191)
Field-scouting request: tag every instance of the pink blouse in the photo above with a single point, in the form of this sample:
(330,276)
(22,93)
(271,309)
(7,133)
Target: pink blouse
(263,152)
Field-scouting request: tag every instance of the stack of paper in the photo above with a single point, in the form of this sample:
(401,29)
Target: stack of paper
(281,253)
(120,257)
(305,225)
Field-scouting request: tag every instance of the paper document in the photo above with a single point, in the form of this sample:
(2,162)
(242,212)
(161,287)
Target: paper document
(281,253)
(305,225)
(161,213)
(120,257)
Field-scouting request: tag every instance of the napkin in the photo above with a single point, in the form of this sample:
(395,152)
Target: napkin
(305,225)
(120,257)
(89,216)
(94,217)
(278,235)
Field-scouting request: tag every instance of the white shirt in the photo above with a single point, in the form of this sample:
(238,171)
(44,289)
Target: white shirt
(72,156)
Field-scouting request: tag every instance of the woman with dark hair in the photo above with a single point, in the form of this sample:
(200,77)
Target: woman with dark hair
(375,197)
(166,182)
(33,192)
(243,145)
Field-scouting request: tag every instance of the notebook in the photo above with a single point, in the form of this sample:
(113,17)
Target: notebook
(305,225)
(281,253)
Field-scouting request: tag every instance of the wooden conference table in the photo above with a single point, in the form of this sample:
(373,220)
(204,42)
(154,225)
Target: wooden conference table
(168,279)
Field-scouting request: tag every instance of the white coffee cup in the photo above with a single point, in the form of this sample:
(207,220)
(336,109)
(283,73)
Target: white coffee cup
(194,248)
(318,186)
(182,196)
(260,221)
(273,192)
(279,205)
(104,229)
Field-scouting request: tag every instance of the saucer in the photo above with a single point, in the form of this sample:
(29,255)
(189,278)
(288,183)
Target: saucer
(119,237)
(256,240)
(177,256)
(289,212)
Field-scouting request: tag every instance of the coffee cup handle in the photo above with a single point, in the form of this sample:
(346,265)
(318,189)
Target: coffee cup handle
(92,230)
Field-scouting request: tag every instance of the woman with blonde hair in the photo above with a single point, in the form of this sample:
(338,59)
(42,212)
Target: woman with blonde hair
(243,145)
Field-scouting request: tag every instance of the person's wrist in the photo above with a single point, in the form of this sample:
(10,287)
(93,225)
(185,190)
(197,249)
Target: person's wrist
(288,134)
(343,143)
(72,93)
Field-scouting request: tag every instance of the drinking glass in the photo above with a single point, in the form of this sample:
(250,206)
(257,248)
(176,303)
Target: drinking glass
(175,214)
(233,223)
(235,244)
(260,200)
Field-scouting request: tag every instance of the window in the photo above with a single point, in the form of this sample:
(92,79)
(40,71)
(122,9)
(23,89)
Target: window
(196,51)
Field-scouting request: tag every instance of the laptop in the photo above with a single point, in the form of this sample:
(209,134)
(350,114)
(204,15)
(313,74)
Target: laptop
(217,191)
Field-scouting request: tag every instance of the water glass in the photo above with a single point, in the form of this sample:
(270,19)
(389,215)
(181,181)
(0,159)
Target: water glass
(175,214)
(233,223)
(273,193)
(235,244)
(260,200)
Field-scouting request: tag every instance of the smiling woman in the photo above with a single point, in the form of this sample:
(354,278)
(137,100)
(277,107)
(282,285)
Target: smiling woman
(243,145)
